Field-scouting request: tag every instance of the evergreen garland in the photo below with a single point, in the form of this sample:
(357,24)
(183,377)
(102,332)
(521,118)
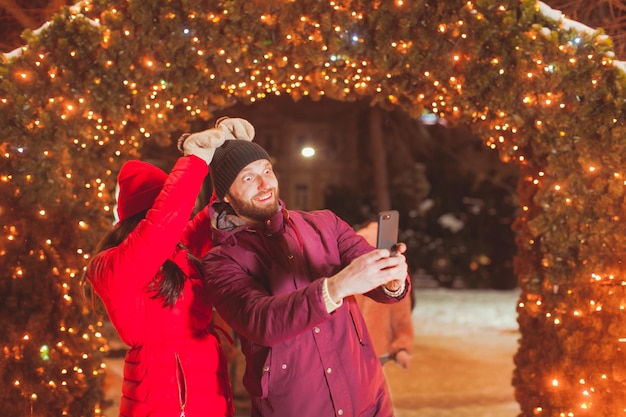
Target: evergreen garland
(103,78)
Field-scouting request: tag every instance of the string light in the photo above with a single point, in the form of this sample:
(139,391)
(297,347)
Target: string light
(322,56)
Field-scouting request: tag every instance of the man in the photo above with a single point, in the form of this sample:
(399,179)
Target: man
(284,281)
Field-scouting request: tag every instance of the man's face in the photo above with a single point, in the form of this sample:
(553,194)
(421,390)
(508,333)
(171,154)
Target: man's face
(254,193)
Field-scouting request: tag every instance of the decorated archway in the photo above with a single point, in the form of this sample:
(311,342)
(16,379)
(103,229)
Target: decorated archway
(103,78)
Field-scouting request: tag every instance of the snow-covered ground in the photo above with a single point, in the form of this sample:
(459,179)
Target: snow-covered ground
(462,360)
(463,356)
(463,311)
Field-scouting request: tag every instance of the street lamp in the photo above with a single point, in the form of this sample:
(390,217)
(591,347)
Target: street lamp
(307,151)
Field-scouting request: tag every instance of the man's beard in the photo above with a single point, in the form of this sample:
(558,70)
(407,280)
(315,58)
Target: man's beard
(251,210)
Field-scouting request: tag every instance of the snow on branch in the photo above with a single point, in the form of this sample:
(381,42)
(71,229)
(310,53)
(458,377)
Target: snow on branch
(568,24)
(74,10)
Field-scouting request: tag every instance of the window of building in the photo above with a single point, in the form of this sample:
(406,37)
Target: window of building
(301,197)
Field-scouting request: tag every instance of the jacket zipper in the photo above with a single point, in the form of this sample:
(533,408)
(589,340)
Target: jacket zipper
(356,328)
(182,385)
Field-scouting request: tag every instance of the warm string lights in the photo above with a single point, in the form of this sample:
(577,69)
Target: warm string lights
(99,80)
(566,313)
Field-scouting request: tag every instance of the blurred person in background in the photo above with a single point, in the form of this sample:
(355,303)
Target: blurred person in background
(390,325)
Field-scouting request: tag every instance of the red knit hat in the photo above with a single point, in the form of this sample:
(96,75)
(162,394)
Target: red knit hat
(139,185)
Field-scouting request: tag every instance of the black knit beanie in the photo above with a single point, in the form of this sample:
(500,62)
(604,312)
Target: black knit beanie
(230,159)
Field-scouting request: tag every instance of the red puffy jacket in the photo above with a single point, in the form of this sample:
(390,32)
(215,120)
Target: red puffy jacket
(175,363)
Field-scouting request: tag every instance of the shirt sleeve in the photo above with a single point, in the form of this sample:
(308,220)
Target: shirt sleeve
(250,309)
(351,246)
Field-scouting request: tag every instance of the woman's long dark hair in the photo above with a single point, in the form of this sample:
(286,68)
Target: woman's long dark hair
(168,284)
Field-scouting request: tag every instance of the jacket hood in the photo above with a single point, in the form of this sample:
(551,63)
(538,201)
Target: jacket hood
(225,222)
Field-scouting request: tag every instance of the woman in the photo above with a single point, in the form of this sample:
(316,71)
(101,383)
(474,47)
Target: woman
(152,289)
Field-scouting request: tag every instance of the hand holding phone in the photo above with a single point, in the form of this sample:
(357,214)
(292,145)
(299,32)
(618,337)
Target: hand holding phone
(388,230)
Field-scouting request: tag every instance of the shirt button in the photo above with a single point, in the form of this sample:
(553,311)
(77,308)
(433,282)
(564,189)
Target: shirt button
(340,412)
(329,370)
(284,366)
(268,222)
(290,257)
(316,329)
(266,368)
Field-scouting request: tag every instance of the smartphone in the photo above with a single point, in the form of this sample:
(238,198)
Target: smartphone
(387,230)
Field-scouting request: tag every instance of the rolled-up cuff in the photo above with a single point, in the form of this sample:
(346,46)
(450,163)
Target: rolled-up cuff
(331,305)
(397,293)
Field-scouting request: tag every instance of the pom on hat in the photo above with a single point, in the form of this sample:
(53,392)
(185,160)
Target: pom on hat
(139,185)
(230,159)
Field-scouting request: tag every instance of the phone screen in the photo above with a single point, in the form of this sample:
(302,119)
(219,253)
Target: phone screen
(387,229)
